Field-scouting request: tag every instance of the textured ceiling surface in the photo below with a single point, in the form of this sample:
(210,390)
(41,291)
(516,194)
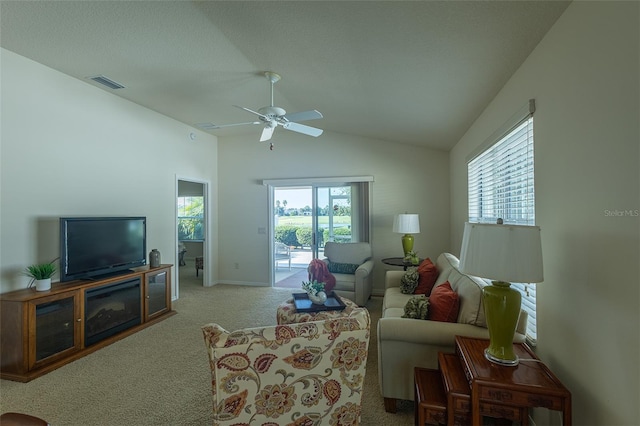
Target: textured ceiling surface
(416,72)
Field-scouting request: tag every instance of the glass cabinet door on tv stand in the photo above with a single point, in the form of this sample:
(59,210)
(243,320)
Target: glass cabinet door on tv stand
(157,292)
(54,332)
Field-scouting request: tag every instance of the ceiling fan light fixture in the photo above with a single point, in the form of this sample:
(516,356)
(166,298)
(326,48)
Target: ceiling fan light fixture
(272,111)
(272,76)
(272,116)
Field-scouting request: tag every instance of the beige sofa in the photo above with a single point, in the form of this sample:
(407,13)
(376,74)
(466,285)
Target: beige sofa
(405,343)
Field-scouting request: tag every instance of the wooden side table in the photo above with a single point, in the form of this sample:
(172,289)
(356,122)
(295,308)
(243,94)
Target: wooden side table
(398,261)
(508,392)
(430,398)
(456,388)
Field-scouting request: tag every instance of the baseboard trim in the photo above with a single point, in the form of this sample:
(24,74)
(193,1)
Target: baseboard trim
(377,292)
(245,283)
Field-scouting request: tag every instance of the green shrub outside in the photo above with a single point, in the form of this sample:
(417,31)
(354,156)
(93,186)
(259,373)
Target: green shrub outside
(287,235)
(304,236)
(345,231)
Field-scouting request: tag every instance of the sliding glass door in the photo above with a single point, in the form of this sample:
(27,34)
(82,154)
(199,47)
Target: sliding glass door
(333,216)
(306,217)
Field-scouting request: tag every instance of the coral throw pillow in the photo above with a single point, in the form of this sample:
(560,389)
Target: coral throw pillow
(444,304)
(428,276)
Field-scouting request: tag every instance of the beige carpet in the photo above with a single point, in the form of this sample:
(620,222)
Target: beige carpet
(160,376)
(294,280)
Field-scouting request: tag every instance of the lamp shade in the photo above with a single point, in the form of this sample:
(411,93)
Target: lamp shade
(511,253)
(406,224)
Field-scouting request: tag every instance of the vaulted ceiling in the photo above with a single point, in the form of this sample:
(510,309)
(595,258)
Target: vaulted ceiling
(416,72)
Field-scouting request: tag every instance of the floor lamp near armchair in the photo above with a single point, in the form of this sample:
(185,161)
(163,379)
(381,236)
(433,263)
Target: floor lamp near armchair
(503,254)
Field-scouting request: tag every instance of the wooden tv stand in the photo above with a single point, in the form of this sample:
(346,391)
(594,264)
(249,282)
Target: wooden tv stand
(44,330)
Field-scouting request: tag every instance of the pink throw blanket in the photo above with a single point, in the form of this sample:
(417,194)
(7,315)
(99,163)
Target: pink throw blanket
(318,271)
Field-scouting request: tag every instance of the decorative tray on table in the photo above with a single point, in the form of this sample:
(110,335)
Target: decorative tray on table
(303,304)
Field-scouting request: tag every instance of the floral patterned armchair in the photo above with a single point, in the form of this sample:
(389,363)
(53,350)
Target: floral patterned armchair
(300,374)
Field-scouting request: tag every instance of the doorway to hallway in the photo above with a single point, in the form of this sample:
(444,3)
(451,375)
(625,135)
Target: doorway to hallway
(191,231)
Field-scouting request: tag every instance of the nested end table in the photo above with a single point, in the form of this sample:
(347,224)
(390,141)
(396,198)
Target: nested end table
(430,397)
(507,392)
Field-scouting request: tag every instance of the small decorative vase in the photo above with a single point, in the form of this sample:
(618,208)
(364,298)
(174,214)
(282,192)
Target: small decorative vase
(154,258)
(43,285)
(319,298)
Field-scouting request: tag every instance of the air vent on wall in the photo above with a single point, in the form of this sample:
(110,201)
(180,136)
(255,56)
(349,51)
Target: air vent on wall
(101,79)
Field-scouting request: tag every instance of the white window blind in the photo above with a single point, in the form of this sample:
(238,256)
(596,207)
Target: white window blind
(501,180)
(501,185)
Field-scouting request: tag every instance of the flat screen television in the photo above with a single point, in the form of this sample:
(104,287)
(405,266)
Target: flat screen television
(98,246)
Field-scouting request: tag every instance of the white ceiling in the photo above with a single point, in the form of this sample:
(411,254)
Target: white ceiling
(417,72)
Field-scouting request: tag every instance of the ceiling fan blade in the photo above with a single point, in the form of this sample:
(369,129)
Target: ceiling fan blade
(301,128)
(211,126)
(303,115)
(252,111)
(267,132)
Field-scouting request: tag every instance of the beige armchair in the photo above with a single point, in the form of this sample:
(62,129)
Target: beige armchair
(295,374)
(355,282)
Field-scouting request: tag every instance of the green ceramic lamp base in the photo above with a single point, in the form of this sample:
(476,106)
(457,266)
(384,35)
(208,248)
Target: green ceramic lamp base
(502,310)
(496,360)
(407,243)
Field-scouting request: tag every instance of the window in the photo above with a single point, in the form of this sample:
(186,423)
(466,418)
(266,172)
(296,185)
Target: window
(501,185)
(191,218)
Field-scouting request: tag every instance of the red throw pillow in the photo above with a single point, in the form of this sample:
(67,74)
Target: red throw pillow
(444,304)
(428,276)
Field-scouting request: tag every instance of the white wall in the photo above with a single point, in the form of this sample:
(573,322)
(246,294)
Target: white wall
(71,149)
(584,76)
(407,178)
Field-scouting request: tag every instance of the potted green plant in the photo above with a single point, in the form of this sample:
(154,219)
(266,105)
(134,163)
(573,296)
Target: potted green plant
(412,258)
(315,290)
(41,275)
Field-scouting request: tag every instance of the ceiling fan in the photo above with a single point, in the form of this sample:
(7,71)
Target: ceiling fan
(272,116)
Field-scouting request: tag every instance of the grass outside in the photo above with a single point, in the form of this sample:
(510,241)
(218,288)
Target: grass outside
(306,220)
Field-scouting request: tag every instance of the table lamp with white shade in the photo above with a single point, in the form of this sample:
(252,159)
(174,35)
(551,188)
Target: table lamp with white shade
(503,254)
(407,224)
